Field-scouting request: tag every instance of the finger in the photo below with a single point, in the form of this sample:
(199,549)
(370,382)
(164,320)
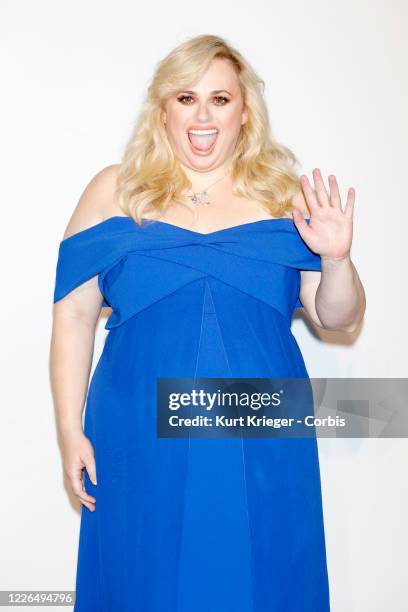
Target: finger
(334,192)
(322,195)
(91,469)
(351,197)
(309,194)
(300,222)
(78,486)
(88,505)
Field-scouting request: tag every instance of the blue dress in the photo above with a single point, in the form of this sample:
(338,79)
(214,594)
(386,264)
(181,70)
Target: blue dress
(194,524)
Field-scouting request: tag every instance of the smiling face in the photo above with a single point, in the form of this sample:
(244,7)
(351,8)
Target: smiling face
(203,122)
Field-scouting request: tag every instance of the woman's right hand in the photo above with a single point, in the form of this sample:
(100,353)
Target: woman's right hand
(77,454)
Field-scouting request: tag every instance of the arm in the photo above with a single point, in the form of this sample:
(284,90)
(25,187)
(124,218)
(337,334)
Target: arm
(340,297)
(334,298)
(72,344)
(71,352)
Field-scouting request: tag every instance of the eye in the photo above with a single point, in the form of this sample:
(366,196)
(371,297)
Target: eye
(184,98)
(222,98)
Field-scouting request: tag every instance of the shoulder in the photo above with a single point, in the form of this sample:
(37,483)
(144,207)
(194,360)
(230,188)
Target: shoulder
(97,201)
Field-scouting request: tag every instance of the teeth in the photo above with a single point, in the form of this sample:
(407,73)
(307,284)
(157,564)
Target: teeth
(203,132)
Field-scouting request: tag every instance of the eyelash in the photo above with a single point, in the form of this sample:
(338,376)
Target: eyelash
(226,100)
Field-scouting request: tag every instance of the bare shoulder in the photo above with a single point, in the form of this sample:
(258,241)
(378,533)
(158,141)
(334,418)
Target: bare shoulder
(97,201)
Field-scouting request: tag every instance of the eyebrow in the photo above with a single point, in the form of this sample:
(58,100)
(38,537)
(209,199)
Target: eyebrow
(214,91)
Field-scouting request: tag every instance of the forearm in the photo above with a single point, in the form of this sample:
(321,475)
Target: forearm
(340,297)
(71,354)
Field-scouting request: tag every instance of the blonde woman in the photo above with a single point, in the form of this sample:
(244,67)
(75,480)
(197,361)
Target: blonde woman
(203,241)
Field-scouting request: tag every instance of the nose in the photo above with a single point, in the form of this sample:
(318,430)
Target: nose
(203,114)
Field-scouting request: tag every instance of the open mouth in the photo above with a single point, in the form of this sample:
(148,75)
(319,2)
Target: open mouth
(203,140)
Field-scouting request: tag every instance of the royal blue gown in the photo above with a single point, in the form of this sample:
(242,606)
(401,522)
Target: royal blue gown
(194,524)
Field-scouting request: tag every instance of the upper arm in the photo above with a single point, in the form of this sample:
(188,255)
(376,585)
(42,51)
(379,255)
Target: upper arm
(94,205)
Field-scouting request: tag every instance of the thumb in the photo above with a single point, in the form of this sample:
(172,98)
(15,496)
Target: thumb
(91,468)
(300,222)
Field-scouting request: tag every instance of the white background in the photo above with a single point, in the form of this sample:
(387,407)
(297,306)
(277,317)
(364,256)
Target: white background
(73,78)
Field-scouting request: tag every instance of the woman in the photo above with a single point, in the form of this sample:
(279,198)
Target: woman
(198,243)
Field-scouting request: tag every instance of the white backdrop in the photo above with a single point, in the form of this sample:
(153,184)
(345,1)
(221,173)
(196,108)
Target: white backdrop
(73,77)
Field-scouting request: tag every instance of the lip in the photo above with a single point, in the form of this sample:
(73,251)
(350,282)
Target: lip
(201,127)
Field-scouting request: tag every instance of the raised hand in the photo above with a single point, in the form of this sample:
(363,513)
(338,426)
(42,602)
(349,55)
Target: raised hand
(329,232)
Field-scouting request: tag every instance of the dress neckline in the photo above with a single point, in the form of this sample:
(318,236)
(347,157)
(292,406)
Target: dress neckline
(177,228)
(248,224)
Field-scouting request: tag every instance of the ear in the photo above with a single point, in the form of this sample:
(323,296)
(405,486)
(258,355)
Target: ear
(244,116)
(164,117)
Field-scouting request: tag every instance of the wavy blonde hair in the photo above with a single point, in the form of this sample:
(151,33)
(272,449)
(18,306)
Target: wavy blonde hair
(150,176)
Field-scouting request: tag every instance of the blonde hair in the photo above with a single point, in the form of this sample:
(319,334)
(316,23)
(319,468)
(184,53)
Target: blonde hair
(150,176)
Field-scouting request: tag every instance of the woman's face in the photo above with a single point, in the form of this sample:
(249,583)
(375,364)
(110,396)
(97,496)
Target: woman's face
(213,104)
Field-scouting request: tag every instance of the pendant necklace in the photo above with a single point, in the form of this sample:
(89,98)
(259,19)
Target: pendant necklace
(200,197)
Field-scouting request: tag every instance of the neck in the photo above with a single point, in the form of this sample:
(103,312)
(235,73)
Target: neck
(202,180)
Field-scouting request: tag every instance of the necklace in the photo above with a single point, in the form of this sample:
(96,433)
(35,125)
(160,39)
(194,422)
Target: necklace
(199,196)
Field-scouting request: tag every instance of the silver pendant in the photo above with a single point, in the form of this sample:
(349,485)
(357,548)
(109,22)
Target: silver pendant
(198,198)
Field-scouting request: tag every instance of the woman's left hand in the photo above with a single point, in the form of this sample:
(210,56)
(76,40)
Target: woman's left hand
(330,230)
